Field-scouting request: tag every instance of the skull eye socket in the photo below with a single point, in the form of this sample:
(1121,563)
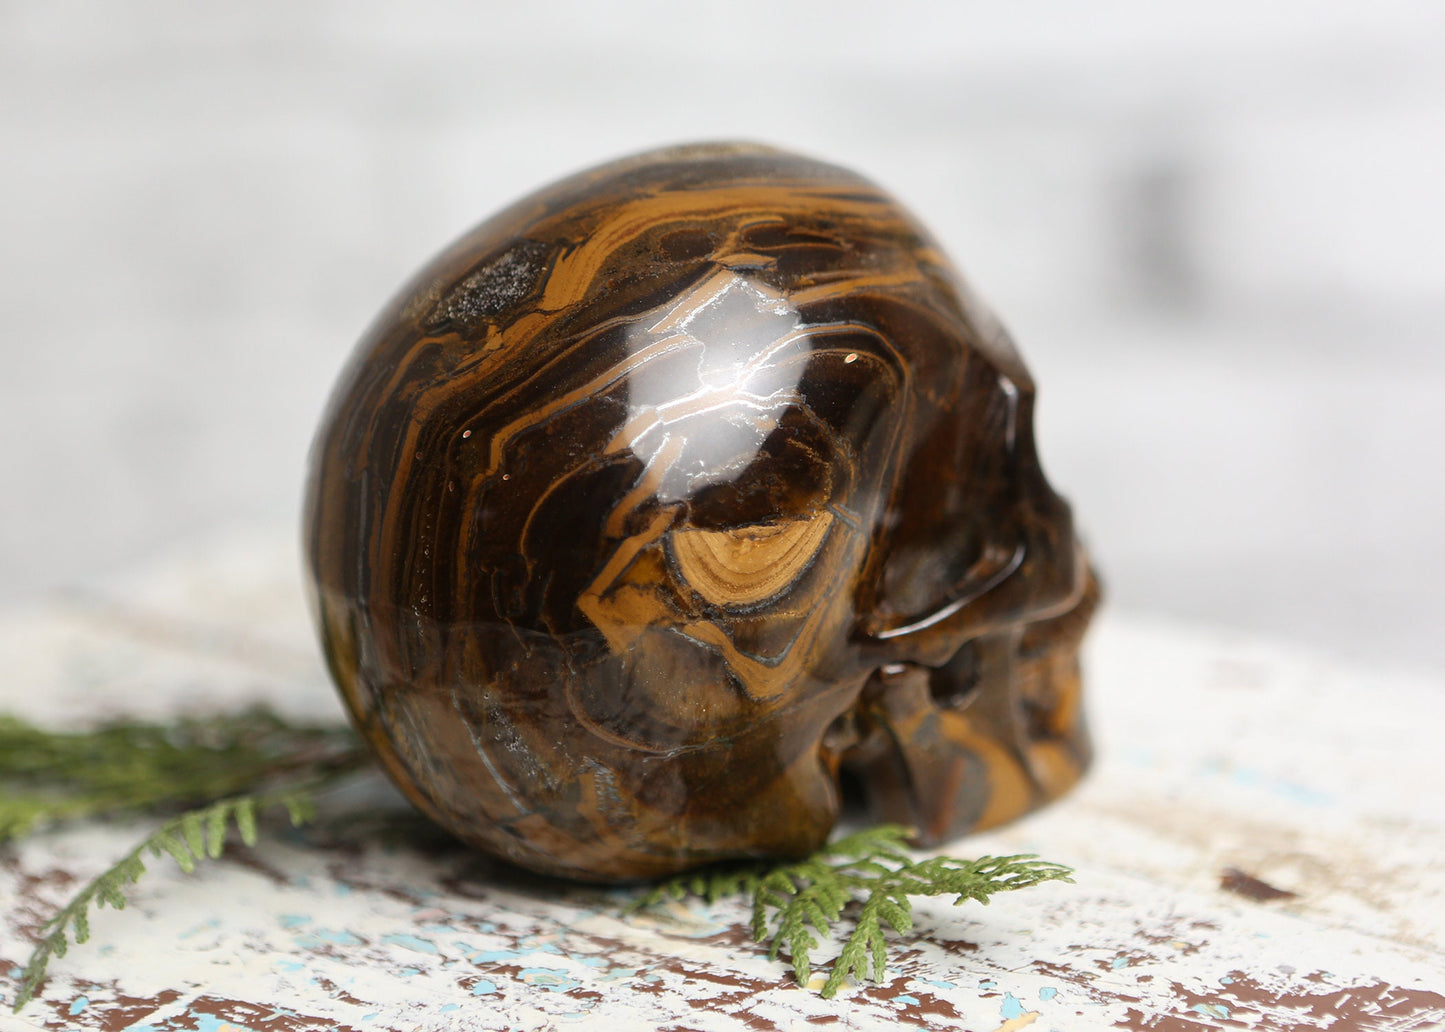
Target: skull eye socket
(741,566)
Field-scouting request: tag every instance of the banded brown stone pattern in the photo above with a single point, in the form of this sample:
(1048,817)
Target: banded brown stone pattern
(678,495)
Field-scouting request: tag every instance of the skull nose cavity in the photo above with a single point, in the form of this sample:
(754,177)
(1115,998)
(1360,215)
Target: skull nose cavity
(841,735)
(952,685)
(956,684)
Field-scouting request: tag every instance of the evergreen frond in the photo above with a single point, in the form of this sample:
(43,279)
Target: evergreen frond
(230,768)
(192,836)
(790,902)
(129,767)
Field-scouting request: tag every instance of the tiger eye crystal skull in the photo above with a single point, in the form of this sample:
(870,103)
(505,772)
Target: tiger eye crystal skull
(677,493)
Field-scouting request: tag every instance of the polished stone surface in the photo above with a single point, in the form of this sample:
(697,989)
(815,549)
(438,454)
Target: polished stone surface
(678,490)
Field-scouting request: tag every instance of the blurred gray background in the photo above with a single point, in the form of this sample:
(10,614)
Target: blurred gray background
(1217,231)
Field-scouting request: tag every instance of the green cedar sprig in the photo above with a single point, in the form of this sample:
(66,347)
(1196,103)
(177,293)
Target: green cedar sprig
(132,767)
(192,836)
(225,767)
(792,901)
(230,767)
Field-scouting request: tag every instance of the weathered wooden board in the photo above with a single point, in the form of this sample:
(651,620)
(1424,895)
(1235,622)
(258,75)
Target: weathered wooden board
(1261,846)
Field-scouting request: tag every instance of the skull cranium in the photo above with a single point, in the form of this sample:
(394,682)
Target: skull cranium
(675,494)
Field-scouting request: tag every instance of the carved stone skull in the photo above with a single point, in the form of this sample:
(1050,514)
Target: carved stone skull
(677,495)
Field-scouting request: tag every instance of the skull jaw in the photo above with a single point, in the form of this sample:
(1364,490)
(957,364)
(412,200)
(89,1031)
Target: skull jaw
(995,732)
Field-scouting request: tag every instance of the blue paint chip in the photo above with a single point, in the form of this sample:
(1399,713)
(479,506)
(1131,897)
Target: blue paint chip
(1011,1007)
(1119,962)
(290,966)
(483,988)
(451,1007)
(1047,993)
(410,942)
(553,979)
(1211,1010)
(1226,980)
(543,947)
(78,1004)
(987,983)
(907,1001)
(294,921)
